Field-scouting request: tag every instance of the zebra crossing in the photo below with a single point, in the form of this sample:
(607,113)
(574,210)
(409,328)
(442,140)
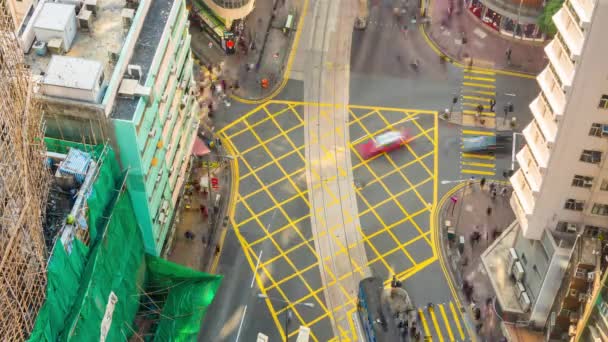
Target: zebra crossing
(478,88)
(442,322)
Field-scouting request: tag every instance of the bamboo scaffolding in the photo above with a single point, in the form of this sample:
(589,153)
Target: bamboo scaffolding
(23,191)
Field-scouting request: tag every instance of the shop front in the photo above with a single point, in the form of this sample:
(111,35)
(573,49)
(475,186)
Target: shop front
(516,20)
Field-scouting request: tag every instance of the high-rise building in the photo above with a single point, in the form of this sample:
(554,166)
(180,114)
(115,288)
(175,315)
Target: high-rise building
(561,187)
(122,72)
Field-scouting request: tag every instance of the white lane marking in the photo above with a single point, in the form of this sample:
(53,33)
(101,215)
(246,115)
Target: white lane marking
(257,265)
(238,334)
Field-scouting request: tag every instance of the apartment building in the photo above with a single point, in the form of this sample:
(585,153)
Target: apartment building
(594,325)
(121,72)
(561,187)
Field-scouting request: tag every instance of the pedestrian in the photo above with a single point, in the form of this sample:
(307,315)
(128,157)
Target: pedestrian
(492,186)
(503,191)
(492,104)
(493,194)
(478,327)
(217,250)
(489,211)
(482,182)
(506,111)
(508,54)
(479,109)
(471,181)
(477,313)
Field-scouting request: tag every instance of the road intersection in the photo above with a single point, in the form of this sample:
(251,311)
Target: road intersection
(275,247)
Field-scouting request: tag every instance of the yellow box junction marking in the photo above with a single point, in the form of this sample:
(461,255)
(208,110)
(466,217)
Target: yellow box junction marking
(264,277)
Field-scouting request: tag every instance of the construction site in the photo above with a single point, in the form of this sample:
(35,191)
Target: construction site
(74,265)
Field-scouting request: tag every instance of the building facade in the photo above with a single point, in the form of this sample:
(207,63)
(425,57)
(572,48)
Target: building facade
(594,325)
(511,18)
(561,187)
(126,79)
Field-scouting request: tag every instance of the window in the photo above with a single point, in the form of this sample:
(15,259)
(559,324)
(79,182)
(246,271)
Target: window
(604,309)
(604,102)
(599,209)
(592,231)
(576,205)
(590,156)
(596,130)
(582,181)
(604,185)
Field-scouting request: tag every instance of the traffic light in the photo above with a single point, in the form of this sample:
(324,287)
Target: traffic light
(230,46)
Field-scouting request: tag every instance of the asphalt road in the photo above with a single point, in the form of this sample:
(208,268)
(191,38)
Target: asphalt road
(395,192)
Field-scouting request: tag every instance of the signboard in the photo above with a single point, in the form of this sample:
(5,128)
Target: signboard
(215,183)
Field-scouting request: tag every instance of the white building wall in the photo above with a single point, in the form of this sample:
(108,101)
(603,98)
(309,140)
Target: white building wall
(590,82)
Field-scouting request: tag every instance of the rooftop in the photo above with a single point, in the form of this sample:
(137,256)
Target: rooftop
(143,54)
(72,72)
(106,35)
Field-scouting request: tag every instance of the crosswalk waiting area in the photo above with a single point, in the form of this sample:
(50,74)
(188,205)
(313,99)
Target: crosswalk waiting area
(478,91)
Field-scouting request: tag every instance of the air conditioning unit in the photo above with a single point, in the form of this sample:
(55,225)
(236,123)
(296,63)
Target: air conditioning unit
(135,71)
(127,16)
(520,288)
(158,178)
(517,271)
(152,133)
(169,146)
(512,257)
(571,228)
(582,297)
(590,276)
(164,98)
(165,205)
(161,218)
(524,301)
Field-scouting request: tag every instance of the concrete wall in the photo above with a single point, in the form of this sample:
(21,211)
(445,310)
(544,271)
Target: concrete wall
(551,284)
(589,84)
(535,265)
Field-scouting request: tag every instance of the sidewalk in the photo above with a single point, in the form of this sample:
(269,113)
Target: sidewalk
(263,53)
(466,218)
(486,47)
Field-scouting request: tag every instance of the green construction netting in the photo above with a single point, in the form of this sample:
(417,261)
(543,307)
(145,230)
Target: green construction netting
(185,304)
(80,282)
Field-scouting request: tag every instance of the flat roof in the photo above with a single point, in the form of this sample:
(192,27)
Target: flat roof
(55,16)
(72,72)
(105,35)
(144,51)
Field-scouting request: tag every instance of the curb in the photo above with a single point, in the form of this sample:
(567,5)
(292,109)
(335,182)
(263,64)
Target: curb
(458,63)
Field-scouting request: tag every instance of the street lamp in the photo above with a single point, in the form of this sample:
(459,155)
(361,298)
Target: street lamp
(288,312)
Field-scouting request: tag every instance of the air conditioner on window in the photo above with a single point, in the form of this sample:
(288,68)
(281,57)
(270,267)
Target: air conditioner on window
(524,301)
(590,276)
(161,218)
(512,257)
(152,133)
(588,183)
(517,271)
(571,228)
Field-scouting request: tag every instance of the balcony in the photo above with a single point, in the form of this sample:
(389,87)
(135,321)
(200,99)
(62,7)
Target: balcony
(560,60)
(570,30)
(583,10)
(520,214)
(528,164)
(544,117)
(523,193)
(552,90)
(537,144)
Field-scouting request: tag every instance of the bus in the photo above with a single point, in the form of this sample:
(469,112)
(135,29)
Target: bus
(377,322)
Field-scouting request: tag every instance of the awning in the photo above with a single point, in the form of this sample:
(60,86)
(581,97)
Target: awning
(199,148)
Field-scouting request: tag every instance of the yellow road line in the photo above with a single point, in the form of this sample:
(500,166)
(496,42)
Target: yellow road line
(457,321)
(476,91)
(435,324)
(474,132)
(479,85)
(479,164)
(478,156)
(425,325)
(475,78)
(477,172)
(486,165)
(477,71)
(476,98)
(474,112)
(447,323)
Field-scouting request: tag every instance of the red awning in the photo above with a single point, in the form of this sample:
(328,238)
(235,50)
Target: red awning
(199,148)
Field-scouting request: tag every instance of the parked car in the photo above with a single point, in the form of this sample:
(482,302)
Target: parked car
(499,143)
(385,142)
